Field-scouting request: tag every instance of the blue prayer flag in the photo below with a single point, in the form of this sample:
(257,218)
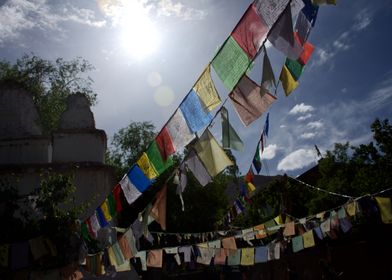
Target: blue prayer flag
(138,179)
(195,115)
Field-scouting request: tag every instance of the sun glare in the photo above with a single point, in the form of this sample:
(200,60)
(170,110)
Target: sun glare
(138,36)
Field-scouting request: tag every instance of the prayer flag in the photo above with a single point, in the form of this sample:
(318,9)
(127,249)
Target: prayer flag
(308,239)
(206,255)
(261,232)
(105,210)
(268,81)
(179,131)
(274,251)
(282,36)
(158,210)
(296,6)
(261,255)
(270,226)
(142,256)
(270,10)
(117,197)
(211,154)
(146,166)
(131,193)
(250,32)
(384,204)
(171,251)
(297,243)
(131,241)
(247,256)
(229,243)
(248,102)
(345,224)
(230,138)
(230,63)
(197,168)
(234,257)
(155,158)
(289,229)
(302,27)
(115,255)
(294,67)
(251,188)
(214,244)
(247,234)
(195,115)
(351,208)
(288,82)
(278,220)
(341,213)
(257,158)
(220,256)
(249,176)
(112,204)
(93,224)
(165,143)
(310,11)
(125,248)
(154,258)
(326,226)
(308,49)
(138,179)
(206,90)
(319,233)
(101,217)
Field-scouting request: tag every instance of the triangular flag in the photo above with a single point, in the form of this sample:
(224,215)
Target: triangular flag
(197,168)
(257,159)
(158,210)
(206,90)
(179,131)
(230,63)
(165,143)
(268,81)
(282,36)
(270,10)
(250,32)
(211,154)
(288,82)
(230,138)
(248,102)
(195,115)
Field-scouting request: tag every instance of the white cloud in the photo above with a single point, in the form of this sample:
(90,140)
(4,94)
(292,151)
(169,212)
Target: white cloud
(17,16)
(382,95)
(363,19)
(171,8)
(269,152)
(297,160)
(343,90)
(308,135)
(301,109)
(315,125)
(303,118)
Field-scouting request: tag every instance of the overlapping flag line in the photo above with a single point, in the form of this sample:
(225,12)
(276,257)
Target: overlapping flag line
(258,244)
(264,19)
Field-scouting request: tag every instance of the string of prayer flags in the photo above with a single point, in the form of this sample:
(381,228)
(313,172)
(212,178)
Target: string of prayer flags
(308,239)
(206,91)
(211,154)
(197,168)
(270,10)
(384,204)
(158,210)
(268,82)
(282,36)
(230,138)
(288,81)
(179,131)
(248,102)
(145,165)
(250,32)
(195,115)
(155,158)
(230,63)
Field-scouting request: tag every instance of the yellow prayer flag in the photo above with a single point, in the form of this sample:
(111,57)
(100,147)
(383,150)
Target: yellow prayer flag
(278,220)
(146,167)
(288,82)
(308,239)
(251,187)
(247,256)
(351,208)
(206,90)
(384,204)
(112,257)
(211,154)
(106,211)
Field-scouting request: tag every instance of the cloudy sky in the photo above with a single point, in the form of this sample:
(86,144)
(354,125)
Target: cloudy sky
(149,53)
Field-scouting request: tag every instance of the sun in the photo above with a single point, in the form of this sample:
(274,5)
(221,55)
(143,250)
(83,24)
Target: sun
(138,34)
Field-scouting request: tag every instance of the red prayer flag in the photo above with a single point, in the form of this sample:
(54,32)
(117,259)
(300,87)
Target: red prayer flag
(165,144)
(117,197)
(250,32)
(249,176)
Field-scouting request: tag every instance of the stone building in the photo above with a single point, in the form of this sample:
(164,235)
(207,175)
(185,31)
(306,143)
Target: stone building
(77,148)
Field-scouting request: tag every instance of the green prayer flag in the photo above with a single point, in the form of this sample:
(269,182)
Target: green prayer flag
(112,205)
(230,138)
(156,159)
(295,68)
(85,233)
(231,63)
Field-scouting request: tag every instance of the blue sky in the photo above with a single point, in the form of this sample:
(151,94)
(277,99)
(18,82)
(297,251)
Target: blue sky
(149,53)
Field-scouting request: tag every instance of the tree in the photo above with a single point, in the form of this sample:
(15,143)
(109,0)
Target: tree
(50,83)
(128,144)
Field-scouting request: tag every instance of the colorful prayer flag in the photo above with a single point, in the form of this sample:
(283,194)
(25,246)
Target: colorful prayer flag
(270,10)
(351,208)
(211,154)
(297,243)
(261,255)
(230,138)
(105,210)
(268,82)
(112,204)
(158,210)
(248,102)
(101,217)
(229,243)
(165,143)
(261,232)
(155,158)
(310,11)
(288,82)
(145,165)
(154,258)
(384,204)
(294,67)
(125,247)
(206,90)
(250,32)
(197,168)
(302,27)
(308,239)
(179,131)
(257,158)
(251,188)
(138,179)
(117,197)
(230,63)
(308,49)
(131,193)
(234,257)
(247,256)
(289,229)
(93,224)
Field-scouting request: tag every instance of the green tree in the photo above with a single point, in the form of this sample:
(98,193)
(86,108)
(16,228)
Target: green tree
(50,83)
(128,144)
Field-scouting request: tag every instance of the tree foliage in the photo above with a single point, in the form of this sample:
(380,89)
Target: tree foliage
(50,83)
